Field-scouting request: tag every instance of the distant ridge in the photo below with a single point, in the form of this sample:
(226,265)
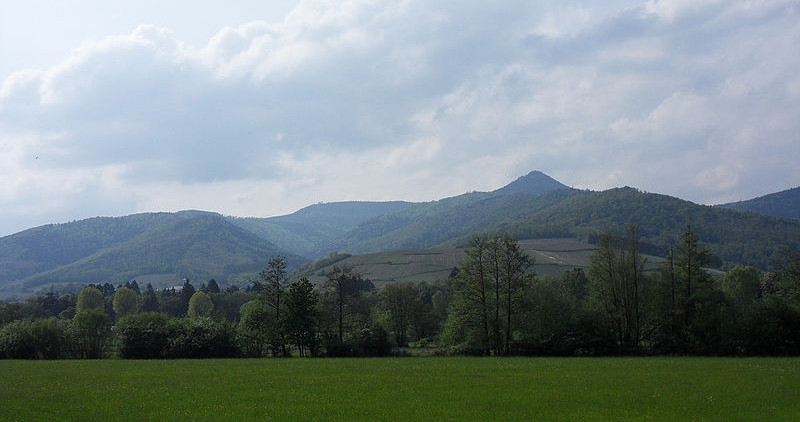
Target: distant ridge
(201,245)
(303,231)
(196,245)
(785,204)
(533,183)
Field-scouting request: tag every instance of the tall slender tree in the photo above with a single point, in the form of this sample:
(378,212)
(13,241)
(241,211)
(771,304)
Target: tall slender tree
(616,278)
(301,315)
(475,285)
(272,283)
(690,261)
(515,264)
(340,283)
(492,276)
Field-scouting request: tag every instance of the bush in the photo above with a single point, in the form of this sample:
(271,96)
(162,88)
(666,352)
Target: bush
(200,338)
(52,338)
(41,339)
(143,336)
(92,330)
(16,341)
(369,342)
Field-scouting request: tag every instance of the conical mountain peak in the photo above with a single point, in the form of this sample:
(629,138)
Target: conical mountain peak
(533,183)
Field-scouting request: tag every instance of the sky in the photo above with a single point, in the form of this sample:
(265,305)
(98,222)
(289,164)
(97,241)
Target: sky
(109,108)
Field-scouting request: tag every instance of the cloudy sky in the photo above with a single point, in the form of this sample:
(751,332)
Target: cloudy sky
(115,107)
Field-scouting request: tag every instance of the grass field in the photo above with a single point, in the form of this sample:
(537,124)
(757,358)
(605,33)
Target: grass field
(456,389)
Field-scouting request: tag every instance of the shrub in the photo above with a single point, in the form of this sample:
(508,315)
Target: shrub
(200,338)
(16,341)
(143,336)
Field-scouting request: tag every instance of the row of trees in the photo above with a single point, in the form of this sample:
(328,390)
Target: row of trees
(619,308)
(272,317)
(493,304)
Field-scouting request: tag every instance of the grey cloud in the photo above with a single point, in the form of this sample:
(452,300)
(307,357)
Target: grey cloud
(675,97)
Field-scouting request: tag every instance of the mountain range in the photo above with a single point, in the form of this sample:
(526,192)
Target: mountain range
(163,248)
(784,204)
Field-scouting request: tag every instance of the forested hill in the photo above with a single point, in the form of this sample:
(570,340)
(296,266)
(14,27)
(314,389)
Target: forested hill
(46,247)
(163,247)
(733,237)
(303,232)
(202,245)
(780,204)
(316,230)
(443,223)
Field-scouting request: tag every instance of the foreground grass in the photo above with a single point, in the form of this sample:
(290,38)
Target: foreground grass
(403,389)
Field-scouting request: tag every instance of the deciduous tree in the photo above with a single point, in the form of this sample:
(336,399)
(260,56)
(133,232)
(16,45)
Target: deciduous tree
(616,285)
(126,302)
(90,298)
(301,315)
(200,305)
(93,332)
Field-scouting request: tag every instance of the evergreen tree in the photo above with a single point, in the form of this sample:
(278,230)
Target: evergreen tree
(187,292)
(149,299)
(212,286)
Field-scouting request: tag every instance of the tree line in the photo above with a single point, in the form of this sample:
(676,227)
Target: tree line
(492,304)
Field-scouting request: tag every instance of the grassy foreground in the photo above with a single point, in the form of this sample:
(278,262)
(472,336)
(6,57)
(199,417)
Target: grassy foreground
(403,389)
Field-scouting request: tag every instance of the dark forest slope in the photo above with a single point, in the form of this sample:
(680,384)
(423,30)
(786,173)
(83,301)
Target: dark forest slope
(784,204)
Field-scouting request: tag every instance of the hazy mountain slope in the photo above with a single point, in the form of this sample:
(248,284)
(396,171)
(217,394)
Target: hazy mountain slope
(304,231)
(443,222)
(733,237)
(46,247)
(780,204)
(200,247)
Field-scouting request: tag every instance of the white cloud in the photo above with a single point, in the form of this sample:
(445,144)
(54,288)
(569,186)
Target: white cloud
(671,10)
(566,21)
(410,100)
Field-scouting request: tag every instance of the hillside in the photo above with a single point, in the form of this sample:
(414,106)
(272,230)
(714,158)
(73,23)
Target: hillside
(442,223)
(447,221)
(46,247)
(303,232)
(164,247)
(198,246)
(733,237)
(552,257)
(784,204)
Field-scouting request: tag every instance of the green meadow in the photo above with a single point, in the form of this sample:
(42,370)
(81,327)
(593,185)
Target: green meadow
(391,389)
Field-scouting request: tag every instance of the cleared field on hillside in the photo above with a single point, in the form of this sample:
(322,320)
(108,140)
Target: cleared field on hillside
(552,257)
(403,389)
